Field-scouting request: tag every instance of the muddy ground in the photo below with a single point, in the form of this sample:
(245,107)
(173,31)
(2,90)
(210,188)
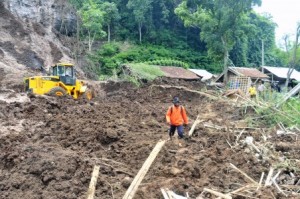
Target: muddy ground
(48,146)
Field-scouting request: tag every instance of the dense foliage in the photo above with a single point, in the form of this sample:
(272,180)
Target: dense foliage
(190,33)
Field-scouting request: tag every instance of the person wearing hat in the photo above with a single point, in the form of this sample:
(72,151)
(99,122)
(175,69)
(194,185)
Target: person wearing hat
(176,118)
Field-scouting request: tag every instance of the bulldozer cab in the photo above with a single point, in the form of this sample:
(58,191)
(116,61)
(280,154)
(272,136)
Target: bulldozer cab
(65,72)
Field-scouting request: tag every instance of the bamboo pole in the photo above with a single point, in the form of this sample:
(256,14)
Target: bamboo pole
(241,189)
(93,182)
(165,195)
(249,178)
(197,121)
(143,171)
(260,181)
(268,181)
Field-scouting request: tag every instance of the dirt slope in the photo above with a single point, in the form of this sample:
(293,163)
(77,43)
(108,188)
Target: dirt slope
(27,48)
(48,146)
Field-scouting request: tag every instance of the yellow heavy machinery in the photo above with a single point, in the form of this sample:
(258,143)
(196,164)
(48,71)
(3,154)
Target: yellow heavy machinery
(62,81)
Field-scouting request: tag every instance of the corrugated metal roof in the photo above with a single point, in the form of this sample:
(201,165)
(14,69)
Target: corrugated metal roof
(178,72)
(248,72)
(282,72)
(202,73)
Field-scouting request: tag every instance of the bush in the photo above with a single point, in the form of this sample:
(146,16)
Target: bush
(109,49)
(168,63)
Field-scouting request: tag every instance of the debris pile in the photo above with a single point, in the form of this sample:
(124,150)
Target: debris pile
(49,147)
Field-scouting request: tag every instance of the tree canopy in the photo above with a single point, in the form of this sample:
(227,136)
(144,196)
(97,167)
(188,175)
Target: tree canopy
(208,34)
(222,23)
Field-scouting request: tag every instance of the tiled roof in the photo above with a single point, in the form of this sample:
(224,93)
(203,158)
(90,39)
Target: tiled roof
(248,72)
(178,72)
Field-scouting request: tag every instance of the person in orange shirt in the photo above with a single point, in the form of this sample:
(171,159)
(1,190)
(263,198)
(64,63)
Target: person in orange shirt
(176,118)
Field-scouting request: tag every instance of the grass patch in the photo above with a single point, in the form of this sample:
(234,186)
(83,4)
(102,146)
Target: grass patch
(144,71)
(139,72)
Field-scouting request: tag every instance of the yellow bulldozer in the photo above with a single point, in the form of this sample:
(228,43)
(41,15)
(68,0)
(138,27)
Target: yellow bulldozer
(62,81)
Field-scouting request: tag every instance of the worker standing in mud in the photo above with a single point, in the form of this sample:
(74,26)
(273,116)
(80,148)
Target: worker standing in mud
(176,118)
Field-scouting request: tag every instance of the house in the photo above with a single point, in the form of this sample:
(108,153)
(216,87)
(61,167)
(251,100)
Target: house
(253,73)
(241,78)
(204,74)
(178,73)
(279,74)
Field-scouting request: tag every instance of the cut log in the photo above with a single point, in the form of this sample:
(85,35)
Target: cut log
(93,182)
(143,171)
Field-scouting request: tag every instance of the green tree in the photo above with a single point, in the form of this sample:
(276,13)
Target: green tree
(140,9)
(293,62)
(92,21)
(261,34)
(238,54)
(219,20)
(77,3)
(111,14)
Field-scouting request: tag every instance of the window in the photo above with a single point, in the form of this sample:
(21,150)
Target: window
(54,71)
(69,71)
(61,71)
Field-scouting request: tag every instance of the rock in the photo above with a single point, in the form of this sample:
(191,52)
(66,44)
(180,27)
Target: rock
(126,182)
(112,134)
(247,150)
(175,171)
(183,151)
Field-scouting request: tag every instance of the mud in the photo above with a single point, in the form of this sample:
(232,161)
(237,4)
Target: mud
(48,146)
